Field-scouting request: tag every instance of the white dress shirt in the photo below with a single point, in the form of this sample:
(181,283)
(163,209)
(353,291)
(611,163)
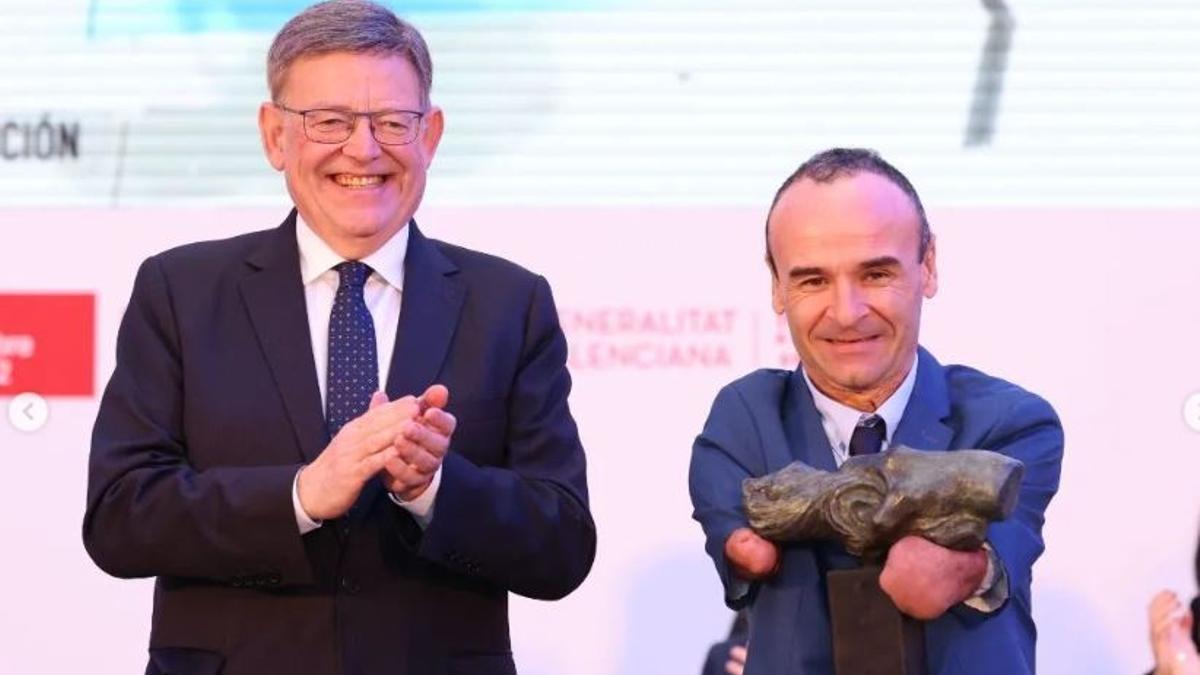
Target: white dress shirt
(382,294)
(839,420)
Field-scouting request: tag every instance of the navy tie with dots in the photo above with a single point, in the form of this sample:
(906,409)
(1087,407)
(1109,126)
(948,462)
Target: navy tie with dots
(868,436)
(353,373)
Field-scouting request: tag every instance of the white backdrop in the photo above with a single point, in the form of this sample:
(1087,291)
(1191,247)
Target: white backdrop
(1094,309)
(627,149)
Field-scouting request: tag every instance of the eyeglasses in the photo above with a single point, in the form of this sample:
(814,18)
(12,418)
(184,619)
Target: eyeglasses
(389,127)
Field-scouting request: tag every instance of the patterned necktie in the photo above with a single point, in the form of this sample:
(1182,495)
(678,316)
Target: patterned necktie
(353,373)
(868,436)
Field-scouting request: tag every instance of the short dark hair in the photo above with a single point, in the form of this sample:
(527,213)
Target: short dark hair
(830,165)
(354,26)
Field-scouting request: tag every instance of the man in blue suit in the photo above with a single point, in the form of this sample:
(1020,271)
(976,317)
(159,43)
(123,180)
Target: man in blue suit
(852,259)
(338,444)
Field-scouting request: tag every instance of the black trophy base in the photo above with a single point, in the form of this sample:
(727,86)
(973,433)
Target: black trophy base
(871,636)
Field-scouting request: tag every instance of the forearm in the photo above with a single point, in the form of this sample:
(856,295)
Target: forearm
(532,536)
(721,460)
(222,524)
(1033,435)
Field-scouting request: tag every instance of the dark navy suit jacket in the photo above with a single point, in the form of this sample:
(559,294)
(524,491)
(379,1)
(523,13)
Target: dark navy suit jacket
(214,406)
(766,420)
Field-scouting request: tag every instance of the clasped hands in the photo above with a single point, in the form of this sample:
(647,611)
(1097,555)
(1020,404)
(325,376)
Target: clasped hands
(402,441)
(922,578)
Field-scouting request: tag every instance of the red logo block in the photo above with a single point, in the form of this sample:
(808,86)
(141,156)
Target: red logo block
(48,344)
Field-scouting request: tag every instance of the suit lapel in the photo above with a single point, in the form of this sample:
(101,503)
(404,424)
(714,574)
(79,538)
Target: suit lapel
(429,311)
(274,297)
(921,426)
(802,424)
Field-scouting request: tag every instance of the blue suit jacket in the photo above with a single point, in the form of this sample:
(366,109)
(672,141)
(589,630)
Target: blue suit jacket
(214,406)
(766,420)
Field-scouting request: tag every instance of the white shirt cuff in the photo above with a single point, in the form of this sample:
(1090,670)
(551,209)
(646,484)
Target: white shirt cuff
(303,521)
(421,508)
(993,590)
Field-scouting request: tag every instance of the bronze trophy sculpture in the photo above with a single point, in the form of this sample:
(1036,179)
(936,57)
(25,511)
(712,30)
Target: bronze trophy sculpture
(868,504)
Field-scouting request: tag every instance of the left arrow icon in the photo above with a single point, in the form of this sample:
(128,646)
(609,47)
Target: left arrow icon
(28,412)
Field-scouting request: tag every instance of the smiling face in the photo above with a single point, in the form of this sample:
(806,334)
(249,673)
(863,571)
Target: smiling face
(357,194)
(848,278)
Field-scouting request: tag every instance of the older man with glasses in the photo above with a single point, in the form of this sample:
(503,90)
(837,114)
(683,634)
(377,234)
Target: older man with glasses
(338,444)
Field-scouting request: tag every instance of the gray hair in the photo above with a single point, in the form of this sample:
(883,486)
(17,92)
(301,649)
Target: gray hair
(830,165)
(355,26)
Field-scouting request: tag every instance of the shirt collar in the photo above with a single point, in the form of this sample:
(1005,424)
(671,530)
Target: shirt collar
(316,257)
(844,418)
